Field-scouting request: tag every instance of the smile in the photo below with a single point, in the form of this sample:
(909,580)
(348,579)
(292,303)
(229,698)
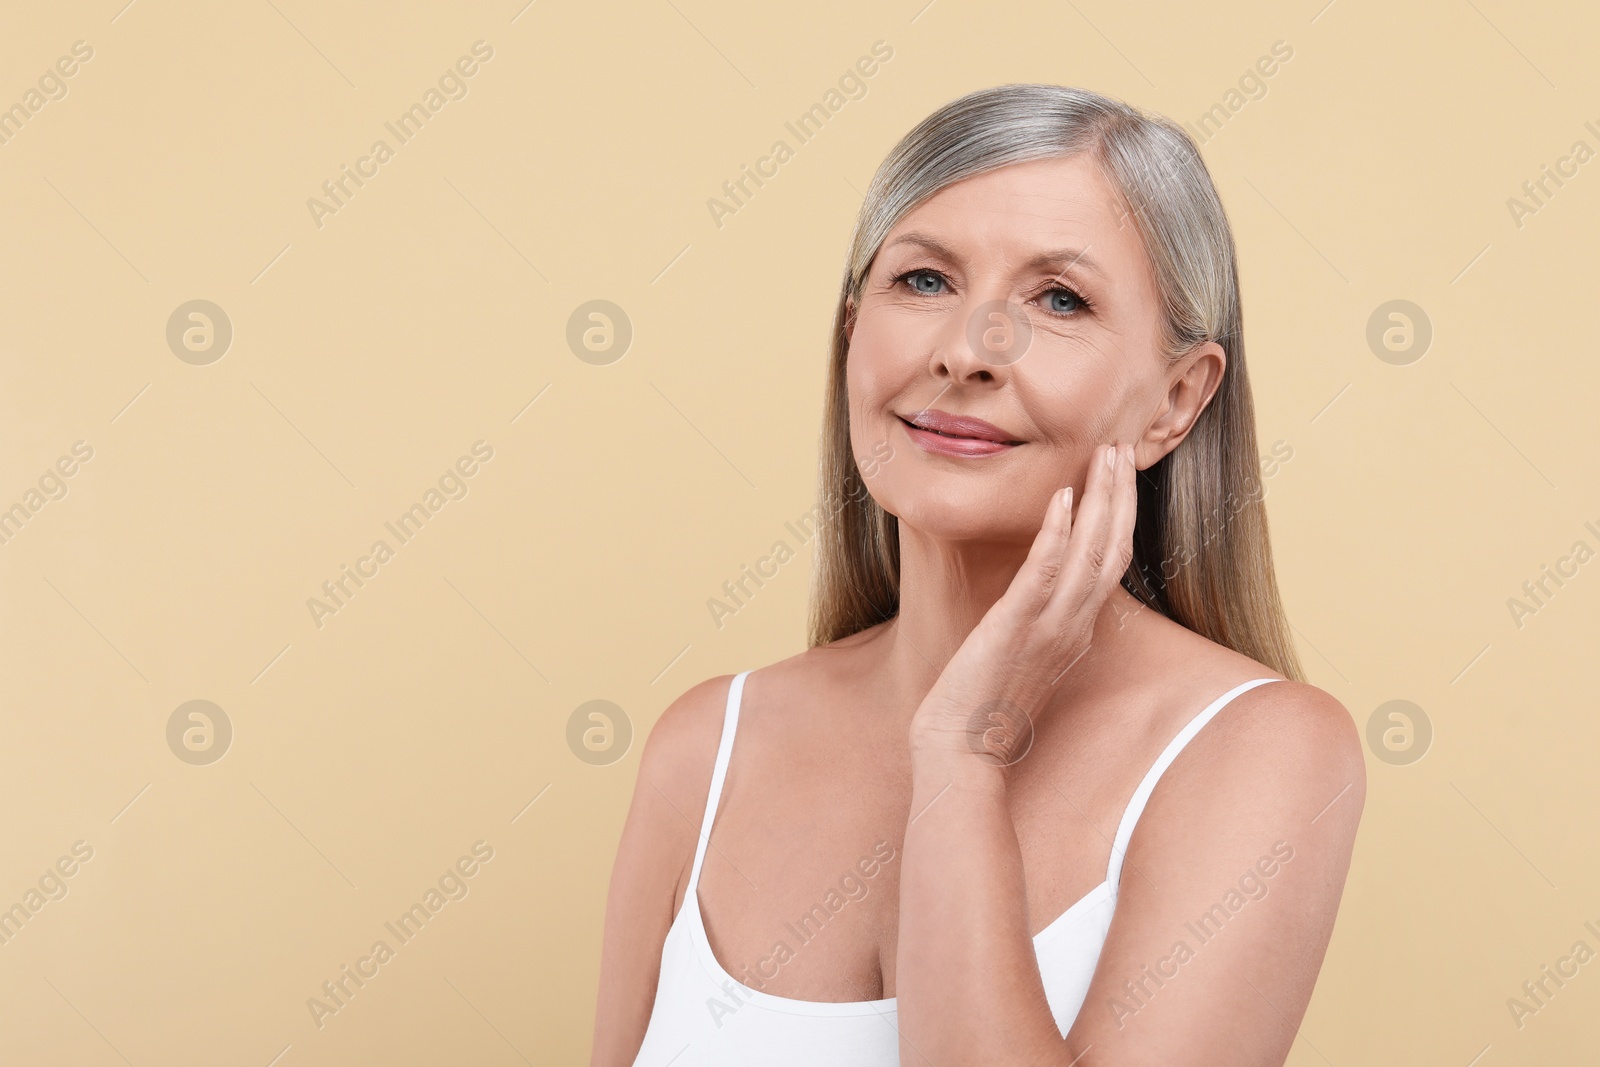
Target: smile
(954,435)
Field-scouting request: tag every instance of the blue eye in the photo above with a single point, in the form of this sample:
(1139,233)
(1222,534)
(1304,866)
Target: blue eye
(916,276)
(1064,302)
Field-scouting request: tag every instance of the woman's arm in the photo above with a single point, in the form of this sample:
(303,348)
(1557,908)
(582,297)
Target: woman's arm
(967,977)
(1257,817)
(1230,888)
(654,854)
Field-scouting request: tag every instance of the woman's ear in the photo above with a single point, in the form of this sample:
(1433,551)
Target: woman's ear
(1190,386)
(849,318)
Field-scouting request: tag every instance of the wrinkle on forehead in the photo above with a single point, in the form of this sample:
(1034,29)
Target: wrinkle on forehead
(1077,208)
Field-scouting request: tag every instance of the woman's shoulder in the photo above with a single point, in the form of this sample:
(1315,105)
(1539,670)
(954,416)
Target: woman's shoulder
(1286,730)
(681,747)
(1281,758)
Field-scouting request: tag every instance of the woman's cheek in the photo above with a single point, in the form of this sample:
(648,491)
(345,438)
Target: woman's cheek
(865,386)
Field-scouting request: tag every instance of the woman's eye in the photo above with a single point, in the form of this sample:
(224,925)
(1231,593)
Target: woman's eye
(1059,301)
(1063,301)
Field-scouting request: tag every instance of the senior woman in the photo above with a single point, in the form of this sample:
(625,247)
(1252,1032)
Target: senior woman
(1047,787)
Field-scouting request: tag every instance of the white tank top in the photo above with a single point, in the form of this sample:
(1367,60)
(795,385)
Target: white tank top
(704,1017)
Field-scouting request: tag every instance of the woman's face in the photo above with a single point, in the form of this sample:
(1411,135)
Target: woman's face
(1024,299)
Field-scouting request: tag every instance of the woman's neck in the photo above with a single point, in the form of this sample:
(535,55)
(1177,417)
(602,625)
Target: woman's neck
(946,587)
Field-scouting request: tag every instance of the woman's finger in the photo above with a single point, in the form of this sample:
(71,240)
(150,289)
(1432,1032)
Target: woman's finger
(1040,572)
(1086,550)
(1119,533)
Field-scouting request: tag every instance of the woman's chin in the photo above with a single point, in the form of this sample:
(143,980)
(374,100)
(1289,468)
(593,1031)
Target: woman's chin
(977,523)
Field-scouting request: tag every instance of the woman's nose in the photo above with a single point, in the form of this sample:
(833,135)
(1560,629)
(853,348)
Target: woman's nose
(981,340)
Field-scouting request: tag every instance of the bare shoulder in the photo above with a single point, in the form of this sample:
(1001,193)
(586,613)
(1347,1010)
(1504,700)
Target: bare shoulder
(1282,745)
(1297,718)
(1294,737)
(1282,758)
(682,746)
(681,750)
(790,698)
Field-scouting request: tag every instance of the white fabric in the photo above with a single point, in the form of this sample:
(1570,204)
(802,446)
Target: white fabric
(704,1017)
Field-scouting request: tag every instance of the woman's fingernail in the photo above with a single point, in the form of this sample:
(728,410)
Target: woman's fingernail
(1111,457)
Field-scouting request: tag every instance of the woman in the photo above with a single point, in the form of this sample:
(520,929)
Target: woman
(1047,787)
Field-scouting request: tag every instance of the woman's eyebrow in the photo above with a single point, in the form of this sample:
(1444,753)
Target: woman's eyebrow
(1062,260)
(1057,260)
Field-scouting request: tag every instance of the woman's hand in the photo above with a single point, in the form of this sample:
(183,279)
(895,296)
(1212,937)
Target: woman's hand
(983,706)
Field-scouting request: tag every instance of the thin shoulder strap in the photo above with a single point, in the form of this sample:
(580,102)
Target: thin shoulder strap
(730,723)
(1141,796)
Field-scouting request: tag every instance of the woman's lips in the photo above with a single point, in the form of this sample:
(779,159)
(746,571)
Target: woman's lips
(947,444)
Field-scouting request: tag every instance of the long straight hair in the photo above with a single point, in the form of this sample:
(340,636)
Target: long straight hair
(1201,553)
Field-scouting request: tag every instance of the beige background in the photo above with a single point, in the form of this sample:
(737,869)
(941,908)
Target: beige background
(370,353)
